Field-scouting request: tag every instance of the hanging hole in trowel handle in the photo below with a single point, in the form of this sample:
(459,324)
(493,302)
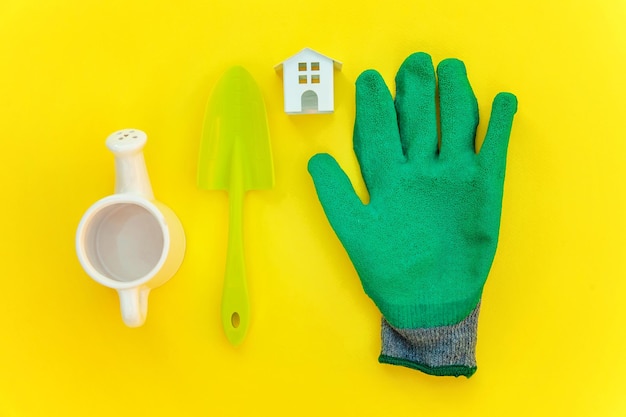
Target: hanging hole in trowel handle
(235,315)
(235,320)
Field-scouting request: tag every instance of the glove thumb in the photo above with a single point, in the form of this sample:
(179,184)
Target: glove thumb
(340,202)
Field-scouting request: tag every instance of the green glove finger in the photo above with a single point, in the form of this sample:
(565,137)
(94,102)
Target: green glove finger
(492,154)
(459,109)
(336,194)
(376,138)
(415,105)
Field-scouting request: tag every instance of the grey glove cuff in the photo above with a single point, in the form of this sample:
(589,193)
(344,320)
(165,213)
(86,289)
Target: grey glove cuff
(446,350)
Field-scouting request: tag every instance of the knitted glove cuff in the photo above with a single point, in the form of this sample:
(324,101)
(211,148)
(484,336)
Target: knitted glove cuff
(441,351)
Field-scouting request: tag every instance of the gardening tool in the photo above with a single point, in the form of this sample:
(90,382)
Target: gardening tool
(128,241)
(235,156)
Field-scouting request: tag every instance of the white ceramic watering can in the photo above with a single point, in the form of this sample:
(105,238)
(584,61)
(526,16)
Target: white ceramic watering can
(128,241)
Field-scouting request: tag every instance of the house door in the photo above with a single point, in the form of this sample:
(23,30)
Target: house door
(309,102)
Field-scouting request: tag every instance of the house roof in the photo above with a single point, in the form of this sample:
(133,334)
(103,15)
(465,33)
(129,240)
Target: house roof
(336,64)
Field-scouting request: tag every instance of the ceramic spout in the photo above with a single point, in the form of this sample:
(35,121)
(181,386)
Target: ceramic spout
(131,174)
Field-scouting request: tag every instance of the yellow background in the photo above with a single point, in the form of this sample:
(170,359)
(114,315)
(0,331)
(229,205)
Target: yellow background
(551,335)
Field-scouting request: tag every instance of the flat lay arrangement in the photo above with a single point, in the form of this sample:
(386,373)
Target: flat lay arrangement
(422,246)
(236,208)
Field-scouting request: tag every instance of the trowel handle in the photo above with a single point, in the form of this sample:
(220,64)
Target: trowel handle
(235,303)
(131,174)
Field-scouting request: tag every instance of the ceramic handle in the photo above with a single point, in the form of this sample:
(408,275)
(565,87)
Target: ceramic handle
(131,174)
(134,305)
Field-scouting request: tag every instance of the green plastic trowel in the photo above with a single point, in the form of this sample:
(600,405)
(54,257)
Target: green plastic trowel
(235,156)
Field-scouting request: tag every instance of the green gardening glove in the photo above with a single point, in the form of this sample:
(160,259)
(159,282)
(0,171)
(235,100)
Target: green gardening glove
(424,243)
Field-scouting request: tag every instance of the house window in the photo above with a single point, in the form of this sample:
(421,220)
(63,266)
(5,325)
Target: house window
(315,66)
(302,79)
(301,66)
(315,79)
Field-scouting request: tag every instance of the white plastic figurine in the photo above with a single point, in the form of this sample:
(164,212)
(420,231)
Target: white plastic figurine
(308,82)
